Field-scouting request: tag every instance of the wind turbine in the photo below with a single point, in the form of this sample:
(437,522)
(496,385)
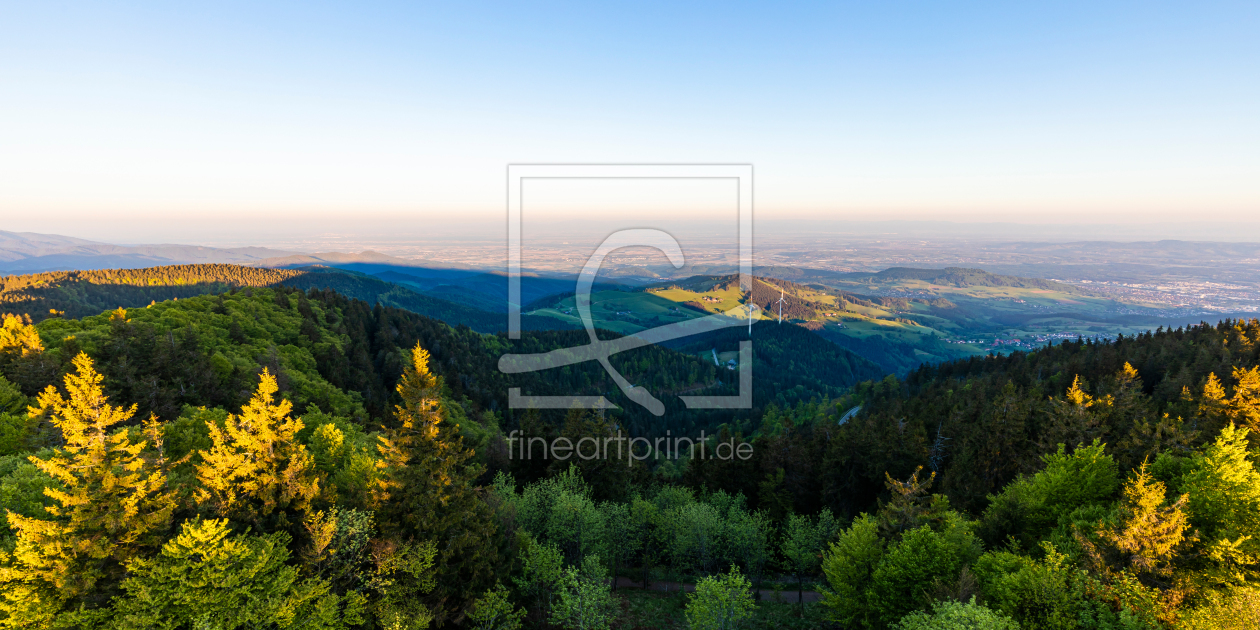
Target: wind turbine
(780,305)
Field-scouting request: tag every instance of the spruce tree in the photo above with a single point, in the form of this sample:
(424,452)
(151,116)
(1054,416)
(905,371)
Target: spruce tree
(427,490)
(256,465)
(18,336)
(1244,407)
(111,506)
(1150,530)
(1078,418)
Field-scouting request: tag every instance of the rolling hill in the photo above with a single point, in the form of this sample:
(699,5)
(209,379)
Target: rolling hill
(26,252)
(343,353)
(82,293)
(960,277)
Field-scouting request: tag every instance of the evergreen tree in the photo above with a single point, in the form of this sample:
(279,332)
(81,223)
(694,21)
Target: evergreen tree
(256,466)
(427,490)
(109,506)
(909,507)
(1224,494)
(205,578)
(1077,418)
(18,337)
(1150,531)
(1213,405)
(1244,407)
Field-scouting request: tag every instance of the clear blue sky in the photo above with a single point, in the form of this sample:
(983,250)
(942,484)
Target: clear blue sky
(1091,110)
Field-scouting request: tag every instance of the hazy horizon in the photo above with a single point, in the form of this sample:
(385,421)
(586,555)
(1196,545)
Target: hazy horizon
(356,234)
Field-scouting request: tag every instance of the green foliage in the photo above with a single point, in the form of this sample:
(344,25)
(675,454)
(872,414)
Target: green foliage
(693,530)
(747,540)
(22,489)
(874,580)
(340,549)
(624,534)
(109,506)
(577,526)
(953,615)
(585,601)
(1068,550)
(1223,487)
(1230,609)
(804,540)
(720,602)
(1029,507)
(180,353)
(849,566)
(345,456)
(1051,594)
(16,427)
(15,433)
(542,574)
(205,577)
(904,578)
(494,611)
(427,490)
(402,576)
(559,511)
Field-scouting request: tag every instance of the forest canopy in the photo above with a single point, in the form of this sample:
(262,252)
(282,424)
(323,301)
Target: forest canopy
(276,457)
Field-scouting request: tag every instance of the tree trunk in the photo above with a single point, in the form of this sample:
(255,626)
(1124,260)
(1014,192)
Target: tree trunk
(800,592)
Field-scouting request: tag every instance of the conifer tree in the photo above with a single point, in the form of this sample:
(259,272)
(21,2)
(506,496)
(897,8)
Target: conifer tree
(1150,530)
(112,504)
(909,507)
(206,578)
(426,491)
(256,465)
(1078,418)
(1224,489)
(19,337)
(1213,405)
(1244,407)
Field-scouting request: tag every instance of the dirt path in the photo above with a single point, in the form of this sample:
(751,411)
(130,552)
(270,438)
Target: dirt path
(789,596)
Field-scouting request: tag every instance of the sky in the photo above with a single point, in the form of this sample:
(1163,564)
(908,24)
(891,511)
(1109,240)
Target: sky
(134,121)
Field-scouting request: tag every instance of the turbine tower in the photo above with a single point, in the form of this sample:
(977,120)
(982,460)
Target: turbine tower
(780,305)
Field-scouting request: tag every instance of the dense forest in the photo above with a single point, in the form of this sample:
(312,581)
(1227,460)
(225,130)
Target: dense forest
(76,294)
(296,458)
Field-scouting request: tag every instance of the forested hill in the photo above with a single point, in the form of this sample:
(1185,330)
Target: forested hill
(962,277)
(346,355)
(82,293)
(979,423)
(1086,485)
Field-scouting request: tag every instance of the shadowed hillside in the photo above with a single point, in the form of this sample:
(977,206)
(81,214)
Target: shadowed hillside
(81,293)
